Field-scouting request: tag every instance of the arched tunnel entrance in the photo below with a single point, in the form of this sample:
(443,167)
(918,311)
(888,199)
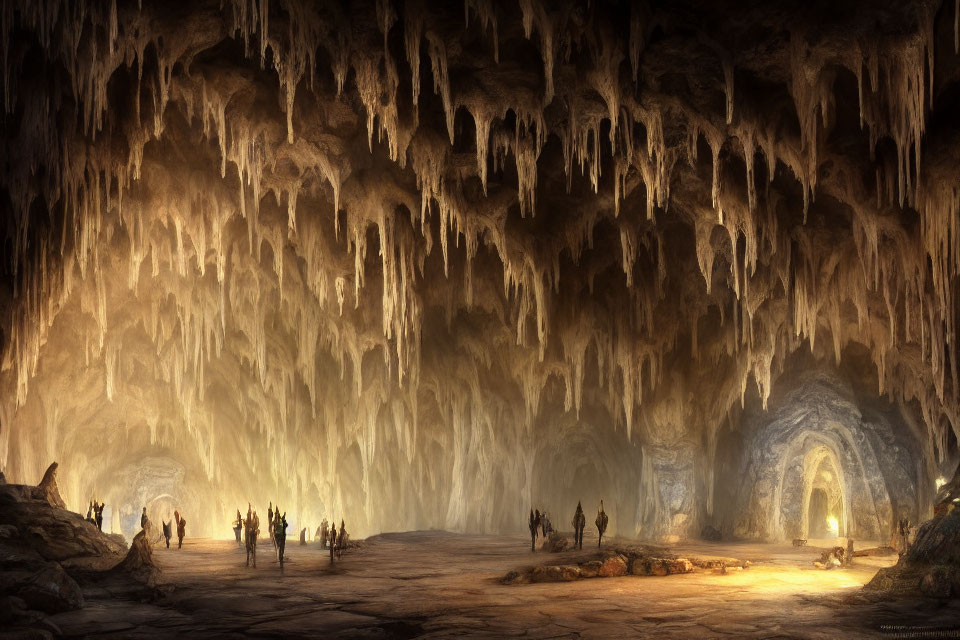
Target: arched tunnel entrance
(821,463)
(825,503)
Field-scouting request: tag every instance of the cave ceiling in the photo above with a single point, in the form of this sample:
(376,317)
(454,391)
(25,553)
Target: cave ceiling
(372,257)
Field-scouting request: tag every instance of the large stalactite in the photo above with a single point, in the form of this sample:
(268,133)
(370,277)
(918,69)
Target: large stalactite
(425,265)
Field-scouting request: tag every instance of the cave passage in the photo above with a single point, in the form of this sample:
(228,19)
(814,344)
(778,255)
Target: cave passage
(432,274)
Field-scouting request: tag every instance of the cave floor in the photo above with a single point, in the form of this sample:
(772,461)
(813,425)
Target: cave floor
(442,585)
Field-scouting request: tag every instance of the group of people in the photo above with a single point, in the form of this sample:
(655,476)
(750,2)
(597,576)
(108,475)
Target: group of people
(337,542)
(146,525)
(181,530)
(95,514)
(540,523)
(277,530)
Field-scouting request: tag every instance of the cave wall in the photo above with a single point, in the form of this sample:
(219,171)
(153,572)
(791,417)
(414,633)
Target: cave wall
(815,415)
(430,264)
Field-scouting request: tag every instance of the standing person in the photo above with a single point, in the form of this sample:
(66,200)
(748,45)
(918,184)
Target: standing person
(238,527)
(90,517)
(534,525)
(143,519)
(579,522)
(181,528)
(333,542)
(271,524)
(251,529)
(280,534)
(167,534)
(601,522)
(323,534)
(341,540)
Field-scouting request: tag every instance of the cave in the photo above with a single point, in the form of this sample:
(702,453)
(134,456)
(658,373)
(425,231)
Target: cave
(439,281)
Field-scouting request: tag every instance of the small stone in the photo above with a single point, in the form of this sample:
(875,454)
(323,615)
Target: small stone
(512,577)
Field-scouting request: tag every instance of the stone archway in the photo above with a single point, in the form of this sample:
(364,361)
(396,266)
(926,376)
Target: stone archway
(823,475)
(816,428)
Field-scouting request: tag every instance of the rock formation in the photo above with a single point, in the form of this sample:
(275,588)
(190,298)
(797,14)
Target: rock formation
(428,264)
(932,564)
(45,550)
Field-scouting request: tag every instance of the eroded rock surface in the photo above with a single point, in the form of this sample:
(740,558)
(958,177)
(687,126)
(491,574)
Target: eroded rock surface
(484,253)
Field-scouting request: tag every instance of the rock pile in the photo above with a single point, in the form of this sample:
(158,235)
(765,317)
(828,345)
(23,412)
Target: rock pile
(45,550)
(609,565)
(931,566)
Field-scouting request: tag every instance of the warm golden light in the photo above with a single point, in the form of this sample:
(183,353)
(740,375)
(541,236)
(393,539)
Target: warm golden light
(833,525)
(940,482)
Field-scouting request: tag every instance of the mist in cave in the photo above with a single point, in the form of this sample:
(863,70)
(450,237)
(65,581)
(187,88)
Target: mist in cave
(427,267)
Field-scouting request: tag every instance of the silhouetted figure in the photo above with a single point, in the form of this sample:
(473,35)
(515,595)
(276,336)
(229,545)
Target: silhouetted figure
(602,520)
(251,530)
(98,514)
(303,536)
(534,525)
(903,535)
(90,517)
(238,527)
(322,534)
(579,522)
(280,534)
(167,532)
(546,524)
(272,517)
(181,528)
(333,542)
(341,540)
(143,519)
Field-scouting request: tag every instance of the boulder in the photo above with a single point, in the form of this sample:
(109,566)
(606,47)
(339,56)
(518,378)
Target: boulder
(936,583)
(680,565)
(138,563)
(613,567)
(29,520)
(570,573)
(51,590)
(590,569)
(660,566)
(555,543)
(929,567)
(549,573)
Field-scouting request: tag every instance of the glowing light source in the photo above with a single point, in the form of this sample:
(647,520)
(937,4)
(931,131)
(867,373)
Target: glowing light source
(940,482)
(833,525)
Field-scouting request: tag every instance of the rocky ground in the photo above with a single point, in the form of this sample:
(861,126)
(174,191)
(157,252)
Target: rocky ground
(441,585)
